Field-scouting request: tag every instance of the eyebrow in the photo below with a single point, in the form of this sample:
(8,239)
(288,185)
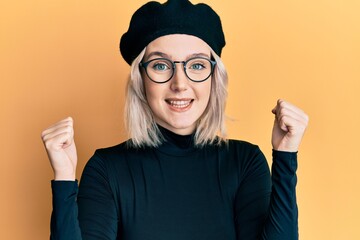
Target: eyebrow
(164,55)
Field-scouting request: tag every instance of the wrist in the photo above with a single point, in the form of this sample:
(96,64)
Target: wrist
(64,177)
(282,147)
(291,150)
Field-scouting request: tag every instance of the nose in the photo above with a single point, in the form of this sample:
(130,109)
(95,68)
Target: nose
(179,81)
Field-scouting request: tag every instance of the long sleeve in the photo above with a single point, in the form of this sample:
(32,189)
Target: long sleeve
(265,205)
(64,218)
(282,220)
(91,209)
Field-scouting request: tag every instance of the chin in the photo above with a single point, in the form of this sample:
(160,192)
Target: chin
(181,128)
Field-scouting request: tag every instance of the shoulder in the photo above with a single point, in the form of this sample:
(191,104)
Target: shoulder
(115,158)
(119,152)
(111,151)
(241,147)
(241,143)
(245,154)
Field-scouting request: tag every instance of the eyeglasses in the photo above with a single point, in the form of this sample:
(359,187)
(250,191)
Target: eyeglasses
(161,70)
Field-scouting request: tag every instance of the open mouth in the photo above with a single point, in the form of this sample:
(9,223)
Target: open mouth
(179,104)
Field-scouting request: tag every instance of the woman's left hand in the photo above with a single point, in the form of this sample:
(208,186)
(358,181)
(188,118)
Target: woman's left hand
(289,126)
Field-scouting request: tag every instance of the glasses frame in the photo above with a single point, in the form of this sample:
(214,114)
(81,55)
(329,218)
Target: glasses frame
(145,64)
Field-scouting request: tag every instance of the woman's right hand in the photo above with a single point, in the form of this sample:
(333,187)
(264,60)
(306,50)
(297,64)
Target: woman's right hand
(60,147)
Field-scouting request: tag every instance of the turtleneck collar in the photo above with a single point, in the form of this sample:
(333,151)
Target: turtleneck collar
(175,144)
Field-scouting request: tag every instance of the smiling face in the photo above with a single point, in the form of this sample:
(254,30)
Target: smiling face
(180,102)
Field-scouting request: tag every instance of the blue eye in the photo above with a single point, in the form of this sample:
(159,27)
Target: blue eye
(160,67)
(197,66)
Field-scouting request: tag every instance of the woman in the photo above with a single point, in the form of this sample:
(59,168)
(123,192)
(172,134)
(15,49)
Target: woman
(177,177)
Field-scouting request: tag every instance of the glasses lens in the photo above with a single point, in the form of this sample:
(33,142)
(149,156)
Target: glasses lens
(160,70)
(198,69)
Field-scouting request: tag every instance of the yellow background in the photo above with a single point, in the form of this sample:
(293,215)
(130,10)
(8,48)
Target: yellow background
(61,58)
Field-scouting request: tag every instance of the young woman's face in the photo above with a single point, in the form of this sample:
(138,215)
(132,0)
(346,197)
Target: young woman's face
(178,103)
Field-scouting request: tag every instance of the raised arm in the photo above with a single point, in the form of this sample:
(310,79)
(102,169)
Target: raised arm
(89,214)
(288,130)
(266,206)
(60,147)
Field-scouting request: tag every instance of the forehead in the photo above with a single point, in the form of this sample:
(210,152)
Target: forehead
(178,46)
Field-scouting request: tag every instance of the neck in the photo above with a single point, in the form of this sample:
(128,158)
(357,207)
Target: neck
(181,141)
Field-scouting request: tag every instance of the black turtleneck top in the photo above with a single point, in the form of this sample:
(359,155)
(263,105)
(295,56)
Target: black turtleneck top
(178,191)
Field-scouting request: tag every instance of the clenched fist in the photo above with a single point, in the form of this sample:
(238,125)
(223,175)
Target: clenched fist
(60,147)
(289,126)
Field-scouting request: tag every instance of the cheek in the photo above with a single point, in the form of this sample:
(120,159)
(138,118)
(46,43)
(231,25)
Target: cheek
(151,100)
(149,96)
(153,92)
(206,91)
(148,89)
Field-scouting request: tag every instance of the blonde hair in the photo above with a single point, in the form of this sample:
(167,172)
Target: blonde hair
(139,120)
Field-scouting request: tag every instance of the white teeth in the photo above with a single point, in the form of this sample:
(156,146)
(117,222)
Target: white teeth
(180,104)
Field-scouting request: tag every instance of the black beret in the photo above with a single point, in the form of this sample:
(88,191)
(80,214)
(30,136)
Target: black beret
(154,20)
